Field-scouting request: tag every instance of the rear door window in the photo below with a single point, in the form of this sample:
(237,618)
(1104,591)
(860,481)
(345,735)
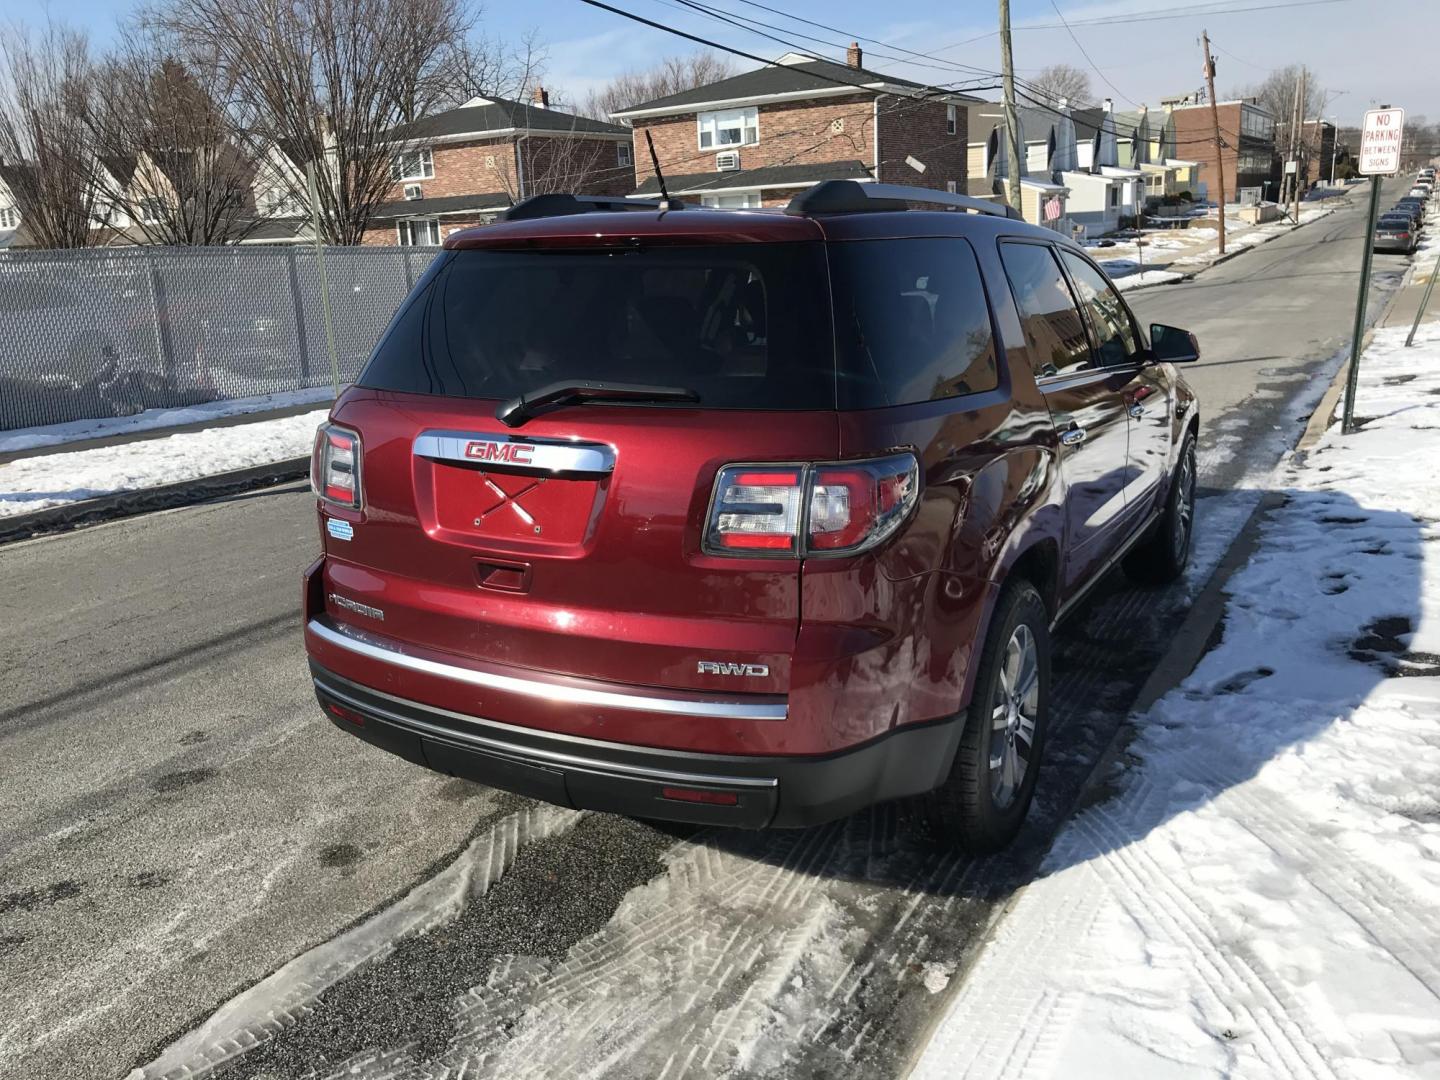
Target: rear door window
(745,326)
(1054,329)
(912,322)
(1114,332)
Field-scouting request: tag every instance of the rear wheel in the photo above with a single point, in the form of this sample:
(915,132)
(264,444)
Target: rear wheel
(983,802)
(1164,555)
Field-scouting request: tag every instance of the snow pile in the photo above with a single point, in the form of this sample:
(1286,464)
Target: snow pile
(154,419)
(58,479)
(1261,895)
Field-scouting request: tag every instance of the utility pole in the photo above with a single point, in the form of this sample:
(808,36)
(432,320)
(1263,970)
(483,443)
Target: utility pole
(1215,123)
(1289,179)
(1299,139)
(1012,118)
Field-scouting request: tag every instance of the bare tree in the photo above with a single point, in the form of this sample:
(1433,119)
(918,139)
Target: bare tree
(45,154)
(481,67)
(670,76)
(328,79)
(174,142)
(1062,81)
(1277,93)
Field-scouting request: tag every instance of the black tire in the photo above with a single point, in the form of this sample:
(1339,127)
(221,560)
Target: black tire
(979,807)
(1163,556)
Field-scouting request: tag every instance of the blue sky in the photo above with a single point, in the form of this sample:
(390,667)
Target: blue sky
(1143,61)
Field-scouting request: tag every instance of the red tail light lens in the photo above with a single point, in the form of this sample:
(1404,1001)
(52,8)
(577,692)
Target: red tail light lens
(841,509)
(335,466)
(756,511)
(855,507)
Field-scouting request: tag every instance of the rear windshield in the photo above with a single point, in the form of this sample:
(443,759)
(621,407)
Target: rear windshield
(745,326)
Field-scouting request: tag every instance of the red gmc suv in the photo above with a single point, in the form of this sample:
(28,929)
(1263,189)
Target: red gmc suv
(742,518)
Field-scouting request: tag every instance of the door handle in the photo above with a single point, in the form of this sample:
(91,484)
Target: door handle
(1136,411)
(1073,436)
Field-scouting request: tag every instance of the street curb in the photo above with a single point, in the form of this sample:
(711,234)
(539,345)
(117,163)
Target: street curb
(145,500)
(1193,274)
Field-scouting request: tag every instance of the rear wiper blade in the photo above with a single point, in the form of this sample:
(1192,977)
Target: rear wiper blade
(517,410)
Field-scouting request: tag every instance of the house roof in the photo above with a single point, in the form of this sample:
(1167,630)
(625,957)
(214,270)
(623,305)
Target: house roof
(480,115)
(790,75)
(1087,122)
(1035,124)
(763,177)
(120,166)
(443,204)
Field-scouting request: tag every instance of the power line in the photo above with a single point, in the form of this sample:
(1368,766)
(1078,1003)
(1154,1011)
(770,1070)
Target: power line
(1085,54)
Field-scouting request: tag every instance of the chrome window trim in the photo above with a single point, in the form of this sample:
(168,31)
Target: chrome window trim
(553,692)
(537,754)
(548,455)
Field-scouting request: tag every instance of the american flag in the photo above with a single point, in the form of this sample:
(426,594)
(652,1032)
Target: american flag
(1052,208)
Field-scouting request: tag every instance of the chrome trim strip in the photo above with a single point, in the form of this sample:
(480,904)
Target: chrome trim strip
(526,753)
(515,453)
(557,692)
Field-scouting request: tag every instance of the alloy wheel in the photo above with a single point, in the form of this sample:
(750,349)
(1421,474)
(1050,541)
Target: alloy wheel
(1184,505)
(1017,703)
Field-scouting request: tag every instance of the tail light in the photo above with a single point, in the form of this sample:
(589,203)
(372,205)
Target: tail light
(826,509)
(335,466)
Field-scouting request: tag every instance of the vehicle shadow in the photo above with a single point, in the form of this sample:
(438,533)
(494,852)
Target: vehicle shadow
(1315,621)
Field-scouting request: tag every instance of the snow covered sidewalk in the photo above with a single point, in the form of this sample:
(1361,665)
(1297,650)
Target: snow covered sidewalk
(60,479)
(1260,896)
(1172,254)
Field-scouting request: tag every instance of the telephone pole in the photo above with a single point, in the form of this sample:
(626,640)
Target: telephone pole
(1289,179)
(1299,139)
(1012,118)
(1215,123)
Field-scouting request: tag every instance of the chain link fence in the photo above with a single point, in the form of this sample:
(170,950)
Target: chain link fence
(105,332)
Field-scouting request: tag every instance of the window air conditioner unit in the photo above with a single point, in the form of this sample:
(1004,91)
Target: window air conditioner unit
(412,191)
(727,161)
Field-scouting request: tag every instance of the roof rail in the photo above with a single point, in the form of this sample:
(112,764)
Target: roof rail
(560,205)
(850,196)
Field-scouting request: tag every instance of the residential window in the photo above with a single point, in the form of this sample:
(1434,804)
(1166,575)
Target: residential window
(151,210)
(417,164)
(730,127)
(952,187)
(949,119)
(9,217)
(1114,196)
(278,202)
(622,153)
(419,232)
(749,200)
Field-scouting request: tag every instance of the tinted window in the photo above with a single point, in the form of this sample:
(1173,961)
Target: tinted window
(494,324)
(1114,333)
(1054,330)
(911,322)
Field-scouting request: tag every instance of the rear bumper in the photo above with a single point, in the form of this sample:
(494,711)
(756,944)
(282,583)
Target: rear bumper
(752,791)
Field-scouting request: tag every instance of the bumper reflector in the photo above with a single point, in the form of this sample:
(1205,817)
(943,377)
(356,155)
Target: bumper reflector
(715,798)
(349,715)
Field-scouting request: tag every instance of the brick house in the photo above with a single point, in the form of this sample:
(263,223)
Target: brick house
(755,139)
(1247,133)
(462,167)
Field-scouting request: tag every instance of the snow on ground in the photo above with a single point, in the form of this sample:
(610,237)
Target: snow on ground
(37,483)
(1172,252)
(274,1002)
(1260,895)
(152,419)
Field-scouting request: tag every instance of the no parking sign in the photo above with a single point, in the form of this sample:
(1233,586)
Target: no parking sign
(1380,141)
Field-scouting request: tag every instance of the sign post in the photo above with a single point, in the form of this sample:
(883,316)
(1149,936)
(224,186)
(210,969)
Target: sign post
(1380,142)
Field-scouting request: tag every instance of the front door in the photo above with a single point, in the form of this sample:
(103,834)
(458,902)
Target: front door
(1087,405)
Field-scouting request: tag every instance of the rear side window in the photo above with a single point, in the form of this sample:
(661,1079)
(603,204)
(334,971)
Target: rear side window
(745,326)
(911,322)
(1054,329)
(1114,332)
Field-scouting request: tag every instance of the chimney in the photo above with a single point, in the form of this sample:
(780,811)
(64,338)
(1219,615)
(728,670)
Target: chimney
(853,55)
(541,97)
(1107,105)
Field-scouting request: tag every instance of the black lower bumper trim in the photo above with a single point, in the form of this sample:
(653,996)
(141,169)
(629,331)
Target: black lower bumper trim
(715,789)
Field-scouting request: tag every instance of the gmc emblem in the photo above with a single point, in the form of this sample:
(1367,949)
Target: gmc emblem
(506,453)
(727,667)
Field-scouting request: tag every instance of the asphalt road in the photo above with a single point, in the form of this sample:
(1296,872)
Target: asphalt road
(177,819)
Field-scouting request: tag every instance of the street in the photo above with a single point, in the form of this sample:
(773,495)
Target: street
(180,820)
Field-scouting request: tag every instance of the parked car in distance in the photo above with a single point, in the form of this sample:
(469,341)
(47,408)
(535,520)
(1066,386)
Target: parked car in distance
(1396,232)
(742,518)
(1421,192)
(1412,208)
